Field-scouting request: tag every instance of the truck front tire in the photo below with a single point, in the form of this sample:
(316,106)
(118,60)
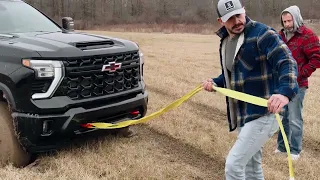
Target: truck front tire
(11,152)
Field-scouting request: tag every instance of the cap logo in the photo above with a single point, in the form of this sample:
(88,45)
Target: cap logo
(229,5)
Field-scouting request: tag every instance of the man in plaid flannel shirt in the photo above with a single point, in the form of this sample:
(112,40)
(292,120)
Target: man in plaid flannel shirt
(305,47)
(254,60)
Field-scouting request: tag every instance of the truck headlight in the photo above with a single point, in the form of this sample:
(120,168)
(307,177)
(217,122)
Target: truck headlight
(43,69)
(46,69)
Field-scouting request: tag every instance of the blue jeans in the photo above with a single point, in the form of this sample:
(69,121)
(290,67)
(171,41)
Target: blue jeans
(244,159)
(293,124)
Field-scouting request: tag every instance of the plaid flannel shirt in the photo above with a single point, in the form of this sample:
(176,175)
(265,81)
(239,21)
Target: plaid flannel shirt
(263,66)
(305,48)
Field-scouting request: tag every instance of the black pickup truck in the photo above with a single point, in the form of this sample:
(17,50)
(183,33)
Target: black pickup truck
(54,79)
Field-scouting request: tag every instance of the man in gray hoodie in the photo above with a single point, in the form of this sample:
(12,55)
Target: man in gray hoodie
(305,47)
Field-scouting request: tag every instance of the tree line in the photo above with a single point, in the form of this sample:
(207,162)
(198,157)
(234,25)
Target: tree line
(98,13)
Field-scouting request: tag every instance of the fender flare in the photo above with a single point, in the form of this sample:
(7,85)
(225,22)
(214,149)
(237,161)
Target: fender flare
(8,95)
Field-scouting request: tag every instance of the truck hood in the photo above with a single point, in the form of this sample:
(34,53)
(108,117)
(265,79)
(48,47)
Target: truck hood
(70,44)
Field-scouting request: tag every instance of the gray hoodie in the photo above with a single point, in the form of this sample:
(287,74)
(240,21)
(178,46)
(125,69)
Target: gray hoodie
(297,18)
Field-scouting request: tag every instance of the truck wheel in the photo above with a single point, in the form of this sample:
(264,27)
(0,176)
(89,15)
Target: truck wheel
(11,152)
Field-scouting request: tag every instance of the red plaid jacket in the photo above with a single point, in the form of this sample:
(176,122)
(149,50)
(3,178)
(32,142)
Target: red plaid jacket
(305,48)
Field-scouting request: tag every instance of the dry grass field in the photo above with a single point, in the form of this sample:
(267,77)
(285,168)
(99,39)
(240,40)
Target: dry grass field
(189,142)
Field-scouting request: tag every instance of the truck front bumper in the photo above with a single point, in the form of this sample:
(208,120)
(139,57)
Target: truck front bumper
(41,133)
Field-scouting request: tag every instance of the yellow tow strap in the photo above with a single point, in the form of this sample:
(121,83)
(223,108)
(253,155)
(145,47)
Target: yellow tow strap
(227,92)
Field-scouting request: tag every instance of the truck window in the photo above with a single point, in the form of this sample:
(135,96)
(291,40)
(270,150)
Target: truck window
(19,17)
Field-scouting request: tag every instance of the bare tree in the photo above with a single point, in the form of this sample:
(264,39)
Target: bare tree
(89,13)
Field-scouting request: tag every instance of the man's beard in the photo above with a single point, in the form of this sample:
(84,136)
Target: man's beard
(236,26)
(289,30)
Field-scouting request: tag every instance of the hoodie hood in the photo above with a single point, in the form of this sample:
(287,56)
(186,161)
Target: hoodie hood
(297,18)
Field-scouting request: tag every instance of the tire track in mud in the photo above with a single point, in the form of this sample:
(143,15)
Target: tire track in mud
(211,167)
(311,145)
(206,110)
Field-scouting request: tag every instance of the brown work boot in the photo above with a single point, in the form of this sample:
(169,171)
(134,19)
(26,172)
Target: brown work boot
(125,132)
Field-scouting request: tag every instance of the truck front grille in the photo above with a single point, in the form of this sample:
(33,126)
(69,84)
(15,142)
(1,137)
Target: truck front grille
(84,77)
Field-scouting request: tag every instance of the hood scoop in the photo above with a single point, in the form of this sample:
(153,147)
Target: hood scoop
(94,45)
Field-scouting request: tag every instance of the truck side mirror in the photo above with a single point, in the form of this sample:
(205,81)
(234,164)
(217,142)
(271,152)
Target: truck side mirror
(67,23)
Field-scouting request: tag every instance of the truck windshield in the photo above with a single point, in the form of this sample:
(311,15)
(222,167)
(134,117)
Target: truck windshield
(19,17)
